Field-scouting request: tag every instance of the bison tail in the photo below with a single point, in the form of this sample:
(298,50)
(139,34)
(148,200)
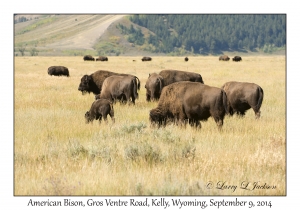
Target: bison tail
(202,80)
(161,85)
(260,98)
(225,104)
(135,87)
(138,83)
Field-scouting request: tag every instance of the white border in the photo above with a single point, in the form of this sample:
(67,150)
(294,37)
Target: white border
(8,201)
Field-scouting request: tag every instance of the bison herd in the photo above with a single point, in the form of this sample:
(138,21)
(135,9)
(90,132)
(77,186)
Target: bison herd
(182,97)
(91,58)
(226,58)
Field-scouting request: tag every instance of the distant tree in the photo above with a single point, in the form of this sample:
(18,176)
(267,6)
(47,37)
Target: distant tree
(22,50)
(34,52)
(211,33)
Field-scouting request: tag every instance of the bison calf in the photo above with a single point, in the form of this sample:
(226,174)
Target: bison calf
(242,96)
(100,108)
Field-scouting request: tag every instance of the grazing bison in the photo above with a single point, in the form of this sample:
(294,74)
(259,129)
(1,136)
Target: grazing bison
(186,59)
(156,82)
(242,96)
(237,58)
(102,58)
(58,71)
(224,58)
(100,108)
(192,102)
(120,88)
(146,59)
(93,83)
(88,58)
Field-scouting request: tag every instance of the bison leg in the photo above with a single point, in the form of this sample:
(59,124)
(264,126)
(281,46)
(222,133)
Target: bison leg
(219,122)
(111,114)
(256,111)
(124,99)
(147,97)
(181,120)
(133,100)
(100,118)
(195,123)
(105,118)
(231,112)
(240,113)
(257,114)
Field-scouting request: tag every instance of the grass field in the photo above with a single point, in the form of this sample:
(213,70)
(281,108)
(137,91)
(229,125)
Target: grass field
(57,153)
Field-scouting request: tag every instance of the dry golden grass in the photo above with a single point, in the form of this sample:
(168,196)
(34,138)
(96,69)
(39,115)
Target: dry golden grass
(56,153)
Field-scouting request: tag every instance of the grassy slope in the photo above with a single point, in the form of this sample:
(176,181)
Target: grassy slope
(56,35)
(56,153)
(55,32)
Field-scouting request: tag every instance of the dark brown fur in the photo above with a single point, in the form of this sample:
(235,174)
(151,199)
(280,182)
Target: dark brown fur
(146,59)
(58,71)
(192,102)
(156,82)
(100,108)
(102,58)
(242,96)
(93,83)
(186,59)
(237,58)
(88,58)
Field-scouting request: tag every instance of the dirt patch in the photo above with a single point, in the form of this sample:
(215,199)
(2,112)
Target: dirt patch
(86,39)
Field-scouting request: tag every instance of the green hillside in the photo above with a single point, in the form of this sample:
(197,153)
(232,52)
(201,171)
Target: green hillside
(150,34)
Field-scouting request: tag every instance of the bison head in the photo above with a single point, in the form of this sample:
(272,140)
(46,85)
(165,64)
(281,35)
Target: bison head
(154,86)
(87,117)
(157,117)
(85,84)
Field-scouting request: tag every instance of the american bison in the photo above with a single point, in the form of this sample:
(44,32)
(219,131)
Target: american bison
(156,82)
(102,58)
(224,58)
(93,83)
(58,71)
(100,108)
(146,59)
(119,88)
(237,58)
(186,59)
(242,96)
(88,58)
(191,102)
